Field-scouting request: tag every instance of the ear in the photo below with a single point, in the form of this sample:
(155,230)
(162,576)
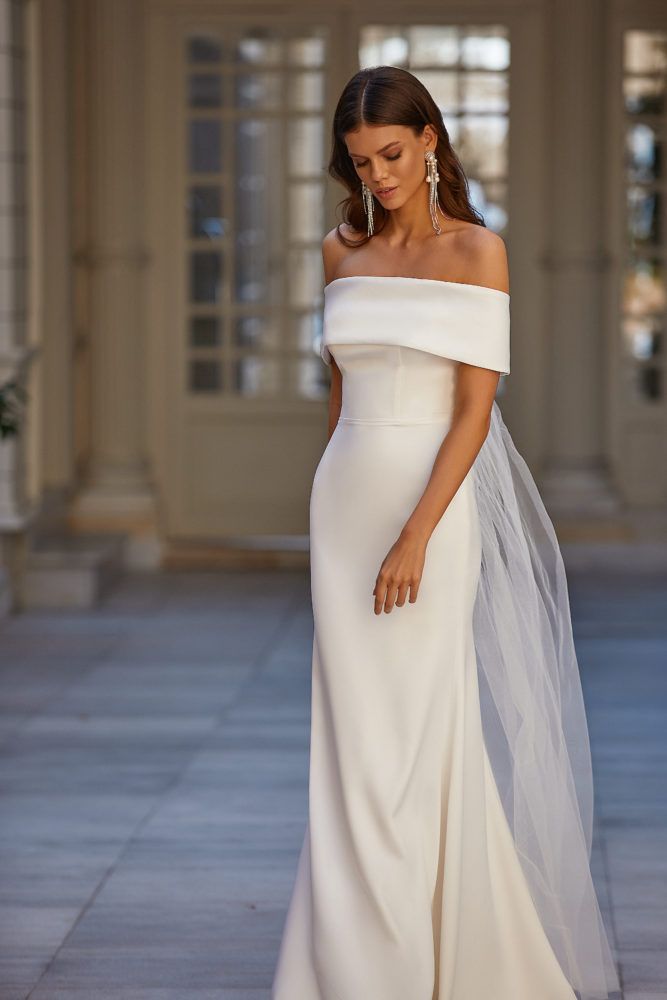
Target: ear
(430,137)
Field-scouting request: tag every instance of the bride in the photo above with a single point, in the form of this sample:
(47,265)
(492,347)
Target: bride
(447,850)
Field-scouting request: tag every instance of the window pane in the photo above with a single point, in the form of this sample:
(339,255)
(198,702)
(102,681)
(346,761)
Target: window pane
(204,331)
(305,277)
(382,46)
(483,145)
(644,95)
(310,379)
(257,332)
(307,331)
(252,272)
(204,49)
(258,145)
(204,211)
(646,51)
(490,198)
(644,216)
(643,337)
(205,376)
(205,147)
(649,384)
(205,276)
(259,48)
(306,91)
(306,51)
(484,92)
(306,210)
(259,90)
(256,376)
(444,89)
(644,153)
(644,288)
(306,144)
(205,90)
(486,49)
(434,46)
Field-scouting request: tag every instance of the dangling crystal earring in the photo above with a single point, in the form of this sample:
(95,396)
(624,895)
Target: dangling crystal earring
(367,196)
(432,176)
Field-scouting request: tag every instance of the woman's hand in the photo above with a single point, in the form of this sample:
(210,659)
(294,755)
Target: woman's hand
(401,571)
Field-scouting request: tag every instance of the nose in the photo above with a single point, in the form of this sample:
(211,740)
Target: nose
(378,172)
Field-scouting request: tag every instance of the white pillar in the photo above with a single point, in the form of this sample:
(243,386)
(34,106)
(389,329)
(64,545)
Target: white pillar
(575,476)
(14,350)
(118,490)
(50,287)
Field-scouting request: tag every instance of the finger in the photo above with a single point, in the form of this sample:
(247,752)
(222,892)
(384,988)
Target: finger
(390,598)
(414,590)
(380,592)
(402,593)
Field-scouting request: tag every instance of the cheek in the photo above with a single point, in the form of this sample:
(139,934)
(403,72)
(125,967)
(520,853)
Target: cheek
(408,167)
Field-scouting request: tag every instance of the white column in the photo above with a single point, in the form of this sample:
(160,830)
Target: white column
(575,476)
(50,286)
(14,351)
(118,490)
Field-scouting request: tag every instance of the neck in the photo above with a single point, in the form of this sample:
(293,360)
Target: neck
(410,225)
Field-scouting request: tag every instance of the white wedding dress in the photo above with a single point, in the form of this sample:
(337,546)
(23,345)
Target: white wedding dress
(409,884)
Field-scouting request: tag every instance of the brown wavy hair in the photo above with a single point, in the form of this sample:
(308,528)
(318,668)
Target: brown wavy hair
(387,95)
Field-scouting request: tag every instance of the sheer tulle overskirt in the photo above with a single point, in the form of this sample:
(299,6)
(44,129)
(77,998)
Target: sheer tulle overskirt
(533,714)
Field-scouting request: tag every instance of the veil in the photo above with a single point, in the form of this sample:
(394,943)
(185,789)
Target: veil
(533,715)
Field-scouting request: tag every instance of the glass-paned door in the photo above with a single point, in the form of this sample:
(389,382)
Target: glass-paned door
(642,384)
(254,217)
(241,205)
(247,178)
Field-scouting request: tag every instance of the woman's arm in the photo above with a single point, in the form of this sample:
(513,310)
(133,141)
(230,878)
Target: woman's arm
(471,418)
(475,389)
(332,254)
(335,398)
(403,566)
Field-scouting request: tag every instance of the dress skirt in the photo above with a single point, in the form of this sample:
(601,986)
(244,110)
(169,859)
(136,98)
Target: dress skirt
(408,886)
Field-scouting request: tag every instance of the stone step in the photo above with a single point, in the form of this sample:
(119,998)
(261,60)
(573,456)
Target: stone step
(71,571)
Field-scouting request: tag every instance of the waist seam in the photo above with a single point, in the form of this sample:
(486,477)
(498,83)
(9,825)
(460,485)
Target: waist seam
(395,420)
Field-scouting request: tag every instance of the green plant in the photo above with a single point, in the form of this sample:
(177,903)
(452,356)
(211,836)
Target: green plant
(12,398)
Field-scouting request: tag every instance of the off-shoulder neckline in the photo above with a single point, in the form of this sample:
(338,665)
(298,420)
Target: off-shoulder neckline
(405,277)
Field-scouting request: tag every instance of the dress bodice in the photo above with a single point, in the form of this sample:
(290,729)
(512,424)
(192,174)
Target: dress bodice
(398,340)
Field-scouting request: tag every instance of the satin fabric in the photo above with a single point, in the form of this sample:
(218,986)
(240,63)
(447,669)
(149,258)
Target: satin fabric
(408,884)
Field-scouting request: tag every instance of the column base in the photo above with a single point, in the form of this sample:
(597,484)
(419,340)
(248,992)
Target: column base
(135,505)
(579,491)
(584,506)
(103,508)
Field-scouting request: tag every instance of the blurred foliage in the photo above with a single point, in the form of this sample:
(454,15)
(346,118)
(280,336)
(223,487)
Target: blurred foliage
(12,400)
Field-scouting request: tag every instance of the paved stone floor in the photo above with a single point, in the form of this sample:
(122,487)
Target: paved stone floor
(153,780)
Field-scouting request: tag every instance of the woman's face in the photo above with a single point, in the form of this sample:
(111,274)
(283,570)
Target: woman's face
(390,160)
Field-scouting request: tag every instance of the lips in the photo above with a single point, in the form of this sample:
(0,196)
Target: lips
(384,191)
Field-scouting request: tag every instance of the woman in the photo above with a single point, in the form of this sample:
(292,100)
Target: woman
(446,854)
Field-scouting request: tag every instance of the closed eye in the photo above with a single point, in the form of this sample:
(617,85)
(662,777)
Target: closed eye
(397,157)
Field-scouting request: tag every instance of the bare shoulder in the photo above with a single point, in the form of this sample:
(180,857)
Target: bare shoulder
(484,257)
(334,251)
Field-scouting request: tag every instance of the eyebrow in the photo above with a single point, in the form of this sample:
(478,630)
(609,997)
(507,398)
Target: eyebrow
(389,144)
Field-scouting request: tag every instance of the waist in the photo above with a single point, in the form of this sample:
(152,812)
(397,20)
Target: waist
(436,418)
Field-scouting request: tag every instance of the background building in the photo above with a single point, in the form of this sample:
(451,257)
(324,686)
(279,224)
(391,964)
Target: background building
(163,195)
